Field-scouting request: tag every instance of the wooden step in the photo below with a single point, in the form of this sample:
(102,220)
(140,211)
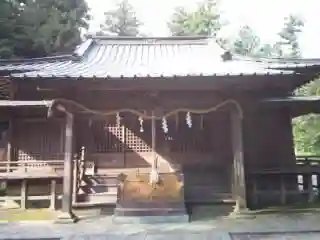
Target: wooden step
(98,198)
(100,188)
(101,179)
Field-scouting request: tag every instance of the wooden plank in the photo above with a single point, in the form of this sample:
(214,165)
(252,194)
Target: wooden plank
(30,175)
(32,198)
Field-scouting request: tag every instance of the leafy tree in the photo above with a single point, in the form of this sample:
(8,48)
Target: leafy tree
(306,129)
(205,20)
(9,27)
(38,28)
(288,45)
(121,21)
(247,42)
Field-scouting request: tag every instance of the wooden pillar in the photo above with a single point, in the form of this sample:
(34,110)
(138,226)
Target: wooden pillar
(154,175)
(239,185)
(283,194)
(310,189)
(153,141)
(67,215)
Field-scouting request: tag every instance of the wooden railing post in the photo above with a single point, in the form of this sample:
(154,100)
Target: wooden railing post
(53,194)
(24,194)
(310,188)
(75,178)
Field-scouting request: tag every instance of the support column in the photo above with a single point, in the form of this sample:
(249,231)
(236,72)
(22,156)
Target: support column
(154,175)
(67,215)
(239,185)
(153,141)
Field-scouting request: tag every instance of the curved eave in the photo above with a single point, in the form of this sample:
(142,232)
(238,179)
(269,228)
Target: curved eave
(149,76)
(296,106)
(302,65)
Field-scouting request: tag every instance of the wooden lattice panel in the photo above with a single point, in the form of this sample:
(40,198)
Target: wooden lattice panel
(108,138)
(136,143)
(115,138)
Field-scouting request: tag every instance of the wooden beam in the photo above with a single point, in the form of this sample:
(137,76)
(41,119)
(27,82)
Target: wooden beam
(239,186)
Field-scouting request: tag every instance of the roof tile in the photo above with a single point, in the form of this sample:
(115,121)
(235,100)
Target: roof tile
(140,57)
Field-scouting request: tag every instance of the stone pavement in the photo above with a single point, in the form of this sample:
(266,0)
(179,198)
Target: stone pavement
(218,229)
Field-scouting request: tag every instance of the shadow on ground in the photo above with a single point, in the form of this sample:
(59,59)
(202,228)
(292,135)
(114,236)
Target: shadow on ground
(210,212)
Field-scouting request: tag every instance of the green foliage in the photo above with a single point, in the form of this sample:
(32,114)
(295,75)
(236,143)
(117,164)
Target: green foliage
(205,20)
(247,42)
(121,21)
(306,128)
(288,45)
(33,28)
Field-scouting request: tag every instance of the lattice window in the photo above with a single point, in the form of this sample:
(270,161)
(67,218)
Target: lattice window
(135,140)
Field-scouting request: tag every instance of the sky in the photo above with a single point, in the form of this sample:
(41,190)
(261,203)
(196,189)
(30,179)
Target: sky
(266,17)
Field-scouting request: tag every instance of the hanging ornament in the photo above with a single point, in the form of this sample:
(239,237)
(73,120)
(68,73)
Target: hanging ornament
(118,119)
(189,120)
(165,125)
(141,124)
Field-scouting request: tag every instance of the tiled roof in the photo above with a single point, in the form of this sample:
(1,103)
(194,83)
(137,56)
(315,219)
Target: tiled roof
(127,57)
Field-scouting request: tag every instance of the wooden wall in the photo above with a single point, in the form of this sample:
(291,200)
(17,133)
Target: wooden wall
(268,140)
(203,152)
(129,145)
(38,140)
